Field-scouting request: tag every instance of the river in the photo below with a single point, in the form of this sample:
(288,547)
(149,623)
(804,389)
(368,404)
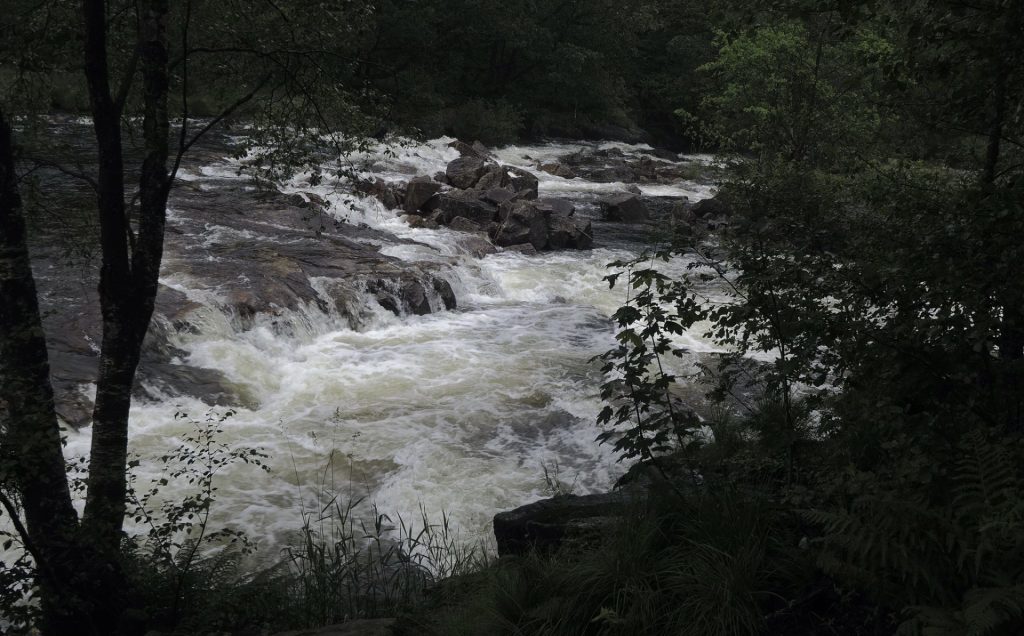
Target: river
(457,410)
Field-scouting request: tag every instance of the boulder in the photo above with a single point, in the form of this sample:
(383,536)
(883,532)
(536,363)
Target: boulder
(558,170)
(497,196)
(476,149)
(569,233)
(476,244)
(462,224)
(711,208)
(661,153)
(445,292)
(523,248)
(464,172)
(523,182)
(613,174)
(418,192)
(544,525)
(624,207)
(421,222)
(388,194)
(521,222)
(481,149)
(494,176)
(466,204)
(561,207)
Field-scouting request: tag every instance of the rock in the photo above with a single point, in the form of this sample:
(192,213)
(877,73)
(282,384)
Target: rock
(497,196)
(558,170)
(481,149)
(316,201)
(661,153)
(544,525)
(464,172)
(476,244)
(383,191)
(494,176)
(523,248)
(522,221)
(445,292)
(523,182)
(624,207)
(359,627)
(613,174)
(297,200)
(561,207)
(462,224)
(476,150)
(410,297)
(569,233)
(418,192)
(465,204)
(421,222)
(441,178)
(713,207)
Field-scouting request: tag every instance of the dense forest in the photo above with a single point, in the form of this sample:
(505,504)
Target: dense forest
(858,465)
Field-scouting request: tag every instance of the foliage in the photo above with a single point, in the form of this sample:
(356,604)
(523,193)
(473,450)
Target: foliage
(179,548)
(872,262)
(702,566)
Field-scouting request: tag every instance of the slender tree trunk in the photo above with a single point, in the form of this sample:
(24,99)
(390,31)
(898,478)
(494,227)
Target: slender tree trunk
(31,458)
(128,277)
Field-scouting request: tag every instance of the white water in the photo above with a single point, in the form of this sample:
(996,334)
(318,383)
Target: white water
(457,411)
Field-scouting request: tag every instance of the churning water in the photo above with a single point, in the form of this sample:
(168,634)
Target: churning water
(458,410)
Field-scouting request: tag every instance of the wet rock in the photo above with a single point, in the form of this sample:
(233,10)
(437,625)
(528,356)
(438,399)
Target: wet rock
(561,207)
(481,149)
(466,204)
(464,172)
(523,248)
(444,290)
(519,219)
(565,232)
(558,170)
(661,153)
(421,222)
(389,195)
(545,525)
(477,244)
(713,207)
(418,192)
(497,196)
(624,208)
(415,299)
(612,174)
(476,149)
(495,176)
(523,182)
(441,178)
(462,224)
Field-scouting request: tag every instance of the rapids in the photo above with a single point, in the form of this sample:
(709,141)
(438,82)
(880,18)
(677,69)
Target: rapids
(459,411)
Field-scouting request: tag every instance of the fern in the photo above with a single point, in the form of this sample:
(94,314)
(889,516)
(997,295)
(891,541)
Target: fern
(956,568)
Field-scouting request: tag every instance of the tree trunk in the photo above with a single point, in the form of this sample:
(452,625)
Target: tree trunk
(31,453)
(128,277)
